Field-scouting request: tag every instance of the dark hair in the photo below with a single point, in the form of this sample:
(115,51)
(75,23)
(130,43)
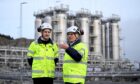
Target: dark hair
(39,29)
(81,32)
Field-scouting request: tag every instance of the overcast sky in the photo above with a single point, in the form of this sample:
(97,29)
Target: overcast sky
(128,10)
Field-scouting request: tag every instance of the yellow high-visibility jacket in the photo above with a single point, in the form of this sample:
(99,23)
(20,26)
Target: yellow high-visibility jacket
(43,55)
(75,72)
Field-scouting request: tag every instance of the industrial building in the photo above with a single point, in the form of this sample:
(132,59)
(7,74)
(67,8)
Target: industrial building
(101,36)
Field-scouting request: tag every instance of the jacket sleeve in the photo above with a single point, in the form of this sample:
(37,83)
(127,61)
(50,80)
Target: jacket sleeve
(56,53)
(30,54)
(30,61)
(56,60)
(74,54)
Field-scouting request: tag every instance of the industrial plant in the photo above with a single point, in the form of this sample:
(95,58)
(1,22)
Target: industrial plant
(102,36)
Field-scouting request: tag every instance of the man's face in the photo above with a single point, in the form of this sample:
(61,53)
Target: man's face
(46,33)
(71,37)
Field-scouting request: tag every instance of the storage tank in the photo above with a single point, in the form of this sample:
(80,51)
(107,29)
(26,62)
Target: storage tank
(71,20)
(60,23)
(83,23)
(48,13)
(104,37)
(96,25)
(38,22)
(114,37)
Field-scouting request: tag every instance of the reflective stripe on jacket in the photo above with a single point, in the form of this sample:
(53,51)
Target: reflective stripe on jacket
(75,72)
(43,59)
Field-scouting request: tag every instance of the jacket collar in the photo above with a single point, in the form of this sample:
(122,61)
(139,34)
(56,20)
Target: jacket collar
(76,42)
(40,41)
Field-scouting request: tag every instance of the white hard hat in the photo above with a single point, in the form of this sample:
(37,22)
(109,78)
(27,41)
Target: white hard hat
(46,25)
(73,29)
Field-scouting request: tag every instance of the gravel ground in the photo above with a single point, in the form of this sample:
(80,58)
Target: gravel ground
(60,82)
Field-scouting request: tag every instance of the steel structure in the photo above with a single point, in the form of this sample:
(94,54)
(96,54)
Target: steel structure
(114,39)
(14,66)
(101,36)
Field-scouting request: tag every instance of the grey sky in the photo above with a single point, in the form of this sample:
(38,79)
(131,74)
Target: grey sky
(128,10)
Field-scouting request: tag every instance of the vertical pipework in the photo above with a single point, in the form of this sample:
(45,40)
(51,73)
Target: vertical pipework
(85,28)
(97,33)
(48,15)
(38,22)
(48,18)
(96,22)
(83,23)
(60,20)
(71,20)
(114,38)
(63,25)
(103,38)
(107,55)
